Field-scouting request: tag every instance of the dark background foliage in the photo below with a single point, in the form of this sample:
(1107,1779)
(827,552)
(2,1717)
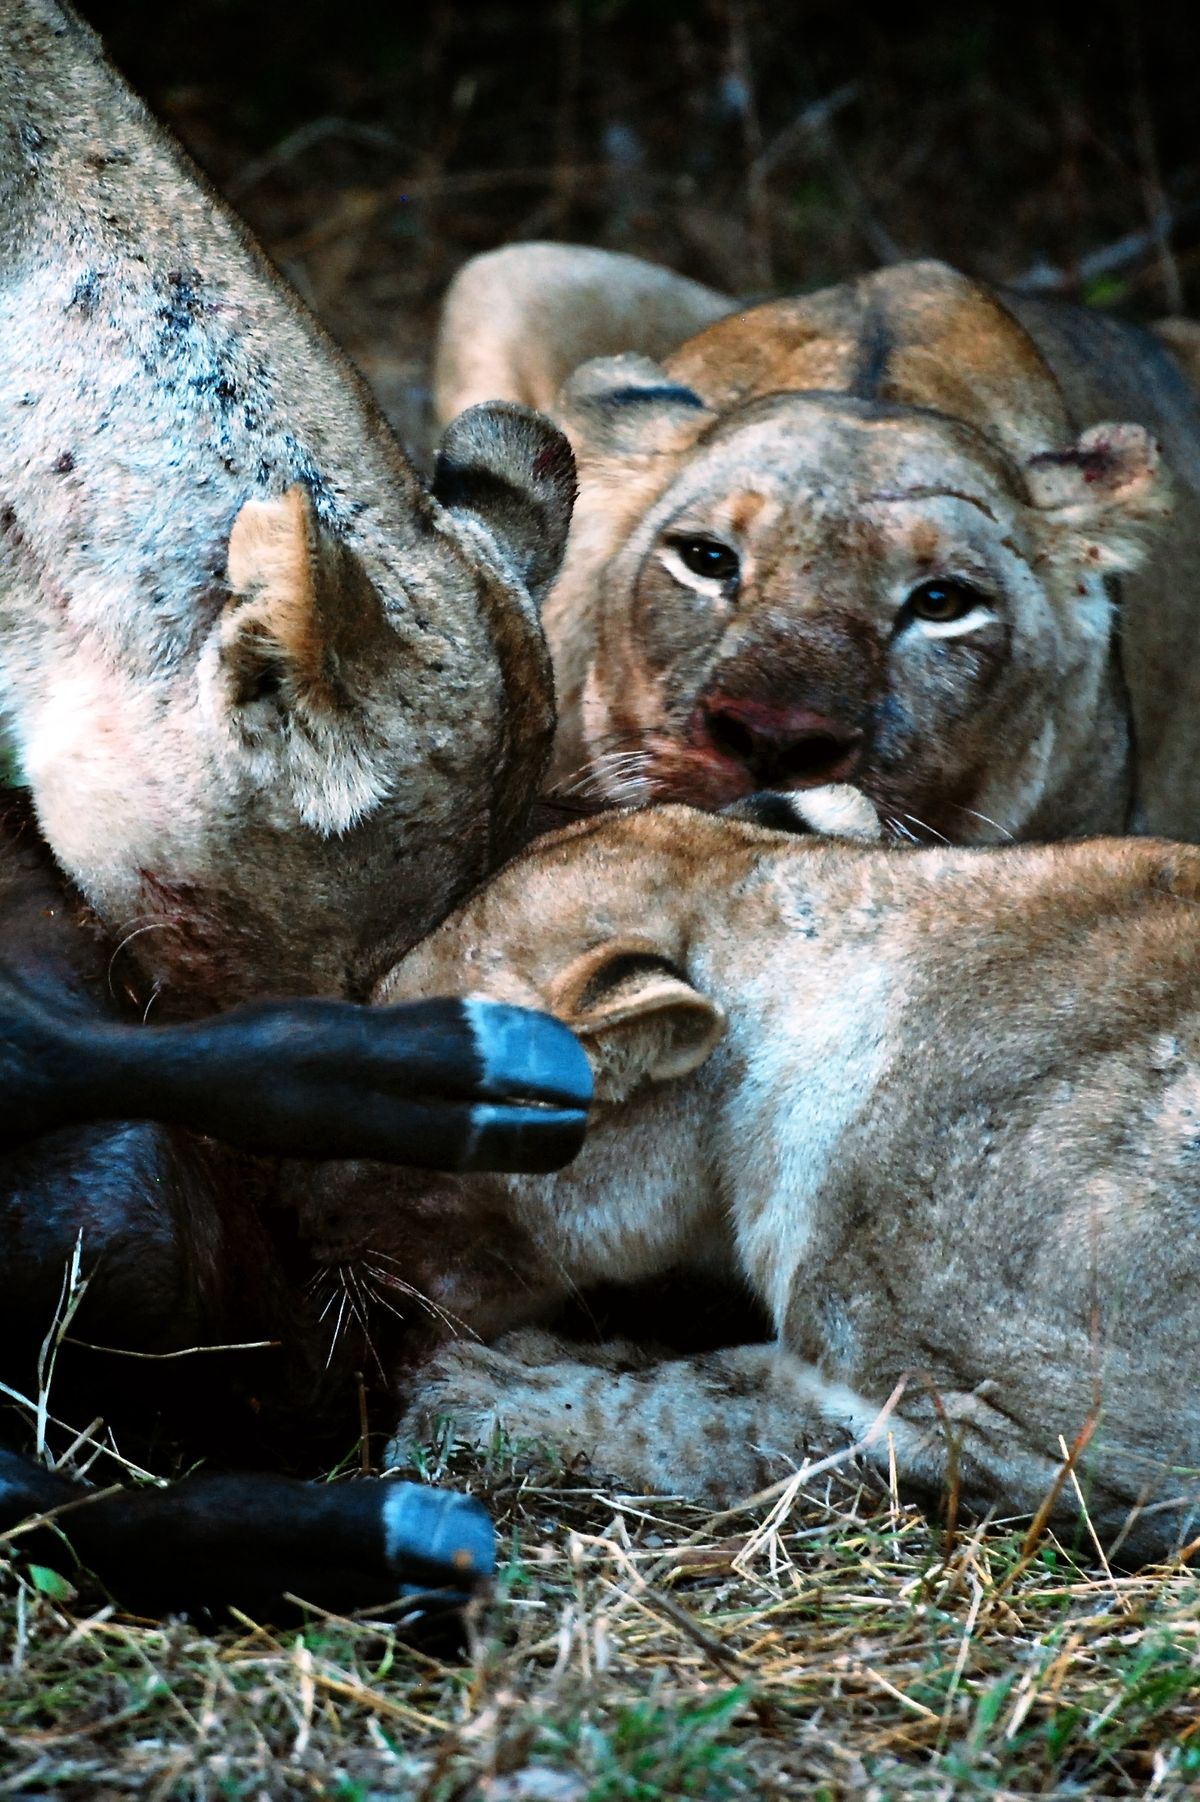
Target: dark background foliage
(760,145)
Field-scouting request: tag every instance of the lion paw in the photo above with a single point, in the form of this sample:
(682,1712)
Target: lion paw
(479,1395)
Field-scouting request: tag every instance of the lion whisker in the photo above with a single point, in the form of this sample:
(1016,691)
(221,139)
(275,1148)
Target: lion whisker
(614,765)
(893,825)
(448,1319)
(382,1301)
(994,824)
(612,775)
(337,1325)
(925,827)
(134,933)
(361,1314)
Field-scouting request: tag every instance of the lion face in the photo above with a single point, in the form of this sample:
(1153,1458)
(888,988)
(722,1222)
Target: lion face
(823,590)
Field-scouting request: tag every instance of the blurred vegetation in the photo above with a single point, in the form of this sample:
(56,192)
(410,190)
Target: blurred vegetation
(760,145)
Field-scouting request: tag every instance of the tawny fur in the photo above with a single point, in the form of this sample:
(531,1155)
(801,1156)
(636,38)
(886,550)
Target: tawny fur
(848,446)
(940,1109)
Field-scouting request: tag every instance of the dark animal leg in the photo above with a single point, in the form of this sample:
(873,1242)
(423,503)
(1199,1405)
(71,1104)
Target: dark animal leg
(177,1250)
(449,1084)
(255,1540)
(445,1084)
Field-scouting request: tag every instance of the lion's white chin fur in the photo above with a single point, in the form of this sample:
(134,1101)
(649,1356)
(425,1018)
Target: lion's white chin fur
(836,811)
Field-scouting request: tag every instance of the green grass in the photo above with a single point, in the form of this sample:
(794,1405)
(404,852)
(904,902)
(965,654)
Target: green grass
(636,1648)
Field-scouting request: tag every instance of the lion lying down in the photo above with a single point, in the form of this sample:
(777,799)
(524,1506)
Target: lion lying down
(940,1109)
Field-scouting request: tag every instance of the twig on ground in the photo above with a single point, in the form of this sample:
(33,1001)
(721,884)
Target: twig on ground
(186,1351)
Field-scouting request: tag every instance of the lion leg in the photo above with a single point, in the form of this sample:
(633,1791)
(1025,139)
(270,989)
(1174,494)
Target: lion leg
(717,1427)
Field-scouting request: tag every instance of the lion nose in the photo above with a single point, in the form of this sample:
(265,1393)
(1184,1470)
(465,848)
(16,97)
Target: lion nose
(781,747)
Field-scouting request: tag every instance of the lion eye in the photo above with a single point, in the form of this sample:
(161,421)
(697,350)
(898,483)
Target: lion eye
(707,557)
(942,601)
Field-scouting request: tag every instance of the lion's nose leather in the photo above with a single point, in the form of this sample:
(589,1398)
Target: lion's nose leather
(781,747)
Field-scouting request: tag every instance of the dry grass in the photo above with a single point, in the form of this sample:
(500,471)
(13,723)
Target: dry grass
(832,1646)
(826,1643)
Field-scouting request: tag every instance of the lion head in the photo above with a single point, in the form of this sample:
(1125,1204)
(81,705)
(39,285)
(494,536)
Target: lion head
(852,543)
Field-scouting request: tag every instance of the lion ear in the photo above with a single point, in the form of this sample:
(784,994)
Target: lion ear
(1105,497)
(300,601)
(640,1019)
(505,469)
(628,406)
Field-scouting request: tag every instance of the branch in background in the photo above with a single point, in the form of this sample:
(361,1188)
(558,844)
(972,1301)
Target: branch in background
(441,123)
(295,143)
(361,206)
(740,93)
(810,122)
(1147,152)
(566,117)
(815,122)
(879,239)
(1123,253)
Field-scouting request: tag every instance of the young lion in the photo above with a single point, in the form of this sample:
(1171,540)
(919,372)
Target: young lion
(940,1110)
(277,705)
(879,536)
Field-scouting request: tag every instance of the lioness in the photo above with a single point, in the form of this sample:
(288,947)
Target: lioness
(882,536)
(277,705)
(941,1111)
